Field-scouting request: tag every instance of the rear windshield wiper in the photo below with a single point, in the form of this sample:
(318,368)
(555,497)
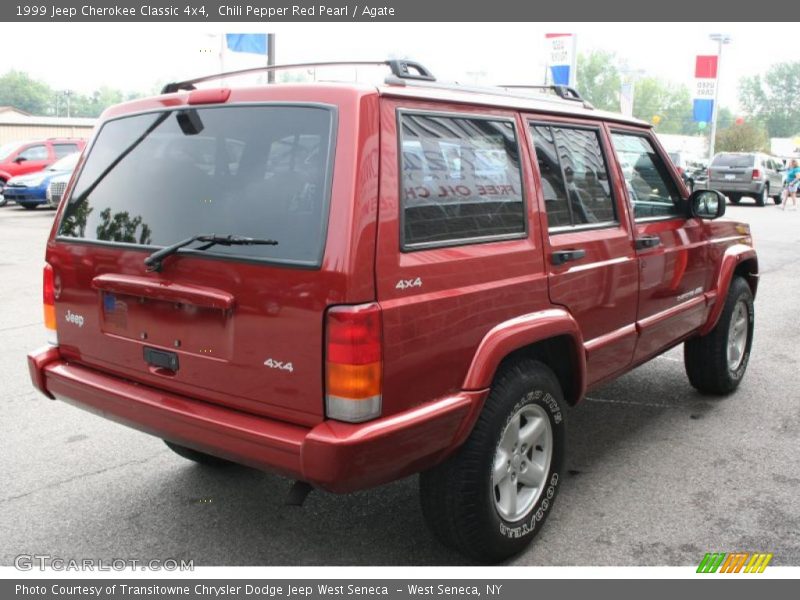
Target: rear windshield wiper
(155,260)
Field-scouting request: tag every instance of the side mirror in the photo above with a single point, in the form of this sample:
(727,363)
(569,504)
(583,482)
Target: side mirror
(20,159)
(706,204)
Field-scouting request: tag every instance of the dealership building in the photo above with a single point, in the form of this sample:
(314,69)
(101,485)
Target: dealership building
(17,125)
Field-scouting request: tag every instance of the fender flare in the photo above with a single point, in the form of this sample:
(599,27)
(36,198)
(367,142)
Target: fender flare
(5,176)
(522,331)
(733,257)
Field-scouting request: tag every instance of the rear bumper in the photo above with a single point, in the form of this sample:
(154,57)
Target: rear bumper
(336,456)
(745,187)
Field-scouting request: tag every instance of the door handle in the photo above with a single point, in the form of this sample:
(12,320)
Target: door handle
(647,241)
(561,256)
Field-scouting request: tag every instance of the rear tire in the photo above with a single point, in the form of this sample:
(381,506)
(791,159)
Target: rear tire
(197,456)
(762,198)
(28,206)
(717,361)
(491,498)
(734,198)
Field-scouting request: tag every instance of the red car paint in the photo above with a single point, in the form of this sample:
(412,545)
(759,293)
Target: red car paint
(46,154)
(442,341)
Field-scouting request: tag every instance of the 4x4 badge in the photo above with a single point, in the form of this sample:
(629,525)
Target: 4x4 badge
(405,284)
(277,364)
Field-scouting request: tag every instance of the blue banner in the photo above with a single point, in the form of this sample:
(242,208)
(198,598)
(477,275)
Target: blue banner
(703,109)
(253,43)
(560,74)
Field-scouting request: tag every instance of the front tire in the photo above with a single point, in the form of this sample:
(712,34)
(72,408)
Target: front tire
(717,361)
(492,497)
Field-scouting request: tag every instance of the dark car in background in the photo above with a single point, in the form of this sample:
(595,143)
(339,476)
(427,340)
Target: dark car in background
(30,191)
(692,169)
(738,174)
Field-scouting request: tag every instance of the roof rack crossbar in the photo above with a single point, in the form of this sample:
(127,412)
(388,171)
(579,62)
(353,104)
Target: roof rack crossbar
(403,69)
(562,91)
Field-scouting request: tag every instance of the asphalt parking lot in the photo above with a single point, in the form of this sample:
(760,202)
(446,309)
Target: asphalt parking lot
(658,475)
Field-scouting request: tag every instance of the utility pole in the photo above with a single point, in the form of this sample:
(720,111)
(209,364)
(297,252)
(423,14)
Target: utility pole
(270,57)
(721,39)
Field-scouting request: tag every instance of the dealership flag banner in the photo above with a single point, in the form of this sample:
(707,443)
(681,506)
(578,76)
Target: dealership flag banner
(252,43)
(705,75)
(561,57)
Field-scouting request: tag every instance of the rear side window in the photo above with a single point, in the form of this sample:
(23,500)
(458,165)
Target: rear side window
(460,180)
(257,171)
(733,160)
(574,174)
(63,150)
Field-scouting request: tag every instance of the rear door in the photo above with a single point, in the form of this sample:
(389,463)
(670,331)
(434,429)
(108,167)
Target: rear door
(238,325)
(458,252)
(590,261)
(671,249)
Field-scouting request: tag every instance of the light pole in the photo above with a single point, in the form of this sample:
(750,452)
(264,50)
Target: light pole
(721,39)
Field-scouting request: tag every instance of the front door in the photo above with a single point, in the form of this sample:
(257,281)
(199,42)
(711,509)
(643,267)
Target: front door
(592,269)
(671,249)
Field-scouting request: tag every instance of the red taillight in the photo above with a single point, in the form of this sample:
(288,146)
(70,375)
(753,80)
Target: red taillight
(353,365)
(680,170)
(49,301)
(756,174)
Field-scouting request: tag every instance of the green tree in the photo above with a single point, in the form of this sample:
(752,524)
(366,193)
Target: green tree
(747,137)
(598,79)
(21,91)
(671,103)
(772,98)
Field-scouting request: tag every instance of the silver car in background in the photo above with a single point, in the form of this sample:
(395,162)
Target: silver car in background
(738,174)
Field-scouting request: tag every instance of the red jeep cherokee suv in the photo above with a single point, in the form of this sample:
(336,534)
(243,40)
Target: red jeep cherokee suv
(349,284)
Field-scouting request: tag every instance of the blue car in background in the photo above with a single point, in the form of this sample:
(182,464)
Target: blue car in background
(29,191)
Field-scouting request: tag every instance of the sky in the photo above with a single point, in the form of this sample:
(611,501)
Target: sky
(140,57)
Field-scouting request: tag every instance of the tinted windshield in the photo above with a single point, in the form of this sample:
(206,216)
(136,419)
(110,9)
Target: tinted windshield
(255,171)
(732,160)
(65,164)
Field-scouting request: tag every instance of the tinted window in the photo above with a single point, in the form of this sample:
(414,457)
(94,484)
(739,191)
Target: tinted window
(651,189)
(460,179)
(34,153)
(574,176)
(257,171)
(733,160)
(62,150)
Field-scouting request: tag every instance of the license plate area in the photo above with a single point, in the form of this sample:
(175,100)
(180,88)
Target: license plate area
(161,359)
(204,332)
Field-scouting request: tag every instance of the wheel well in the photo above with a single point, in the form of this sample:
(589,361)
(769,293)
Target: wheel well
(559,354)
(748,270)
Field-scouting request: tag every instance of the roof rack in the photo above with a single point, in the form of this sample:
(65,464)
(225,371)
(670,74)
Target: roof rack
(402,69)
(564,92)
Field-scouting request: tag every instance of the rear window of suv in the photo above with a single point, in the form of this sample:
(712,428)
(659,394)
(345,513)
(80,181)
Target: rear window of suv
(156,178)
(733,160)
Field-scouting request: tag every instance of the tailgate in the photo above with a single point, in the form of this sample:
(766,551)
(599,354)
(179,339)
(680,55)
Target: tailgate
(731,169)
(239,325)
